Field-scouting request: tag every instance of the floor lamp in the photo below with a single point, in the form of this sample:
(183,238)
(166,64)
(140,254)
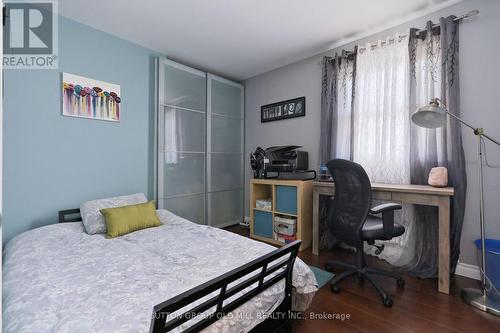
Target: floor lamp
(433,115)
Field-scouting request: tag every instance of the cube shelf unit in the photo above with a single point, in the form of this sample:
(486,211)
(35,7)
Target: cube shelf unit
(290,198)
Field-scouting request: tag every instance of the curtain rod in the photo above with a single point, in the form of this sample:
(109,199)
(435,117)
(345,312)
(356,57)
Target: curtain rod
(468,15)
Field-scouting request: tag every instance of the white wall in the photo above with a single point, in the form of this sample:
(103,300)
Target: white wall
(480,104)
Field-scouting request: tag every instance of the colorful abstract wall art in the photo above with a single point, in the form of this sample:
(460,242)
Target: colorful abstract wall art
(88,98)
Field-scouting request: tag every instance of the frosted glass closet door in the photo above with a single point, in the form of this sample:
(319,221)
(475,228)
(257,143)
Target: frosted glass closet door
(224,151)
(182,140)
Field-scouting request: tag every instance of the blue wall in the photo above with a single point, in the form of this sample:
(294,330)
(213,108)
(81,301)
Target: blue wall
(53,162)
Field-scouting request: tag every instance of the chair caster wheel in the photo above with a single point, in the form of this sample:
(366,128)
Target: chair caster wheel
(400,282)
(334,288)
(387,302)
(361,278)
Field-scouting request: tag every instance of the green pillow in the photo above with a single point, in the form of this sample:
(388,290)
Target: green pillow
(126,219)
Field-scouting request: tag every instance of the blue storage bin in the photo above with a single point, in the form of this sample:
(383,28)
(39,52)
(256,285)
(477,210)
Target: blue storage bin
(263,224)
(286,199)
(492,259)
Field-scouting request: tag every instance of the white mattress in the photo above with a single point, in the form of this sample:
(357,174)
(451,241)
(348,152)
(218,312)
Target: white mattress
(60,279)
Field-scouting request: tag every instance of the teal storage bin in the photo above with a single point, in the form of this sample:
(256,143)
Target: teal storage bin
(286,199)
(263,224)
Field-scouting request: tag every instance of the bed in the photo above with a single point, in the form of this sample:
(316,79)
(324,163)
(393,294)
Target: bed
(58,278)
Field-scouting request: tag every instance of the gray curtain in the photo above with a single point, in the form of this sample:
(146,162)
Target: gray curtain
(328,108)
(337,95)
(434,73)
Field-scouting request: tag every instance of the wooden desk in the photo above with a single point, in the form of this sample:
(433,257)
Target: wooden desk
(411,194)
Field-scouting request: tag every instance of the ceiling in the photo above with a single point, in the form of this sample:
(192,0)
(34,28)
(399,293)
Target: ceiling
(243,38)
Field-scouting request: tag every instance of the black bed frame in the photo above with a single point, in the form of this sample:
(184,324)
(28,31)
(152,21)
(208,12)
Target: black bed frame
(264,272)
(70,215)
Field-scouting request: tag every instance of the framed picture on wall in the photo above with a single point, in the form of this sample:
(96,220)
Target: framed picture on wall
(283,110)
(88,98)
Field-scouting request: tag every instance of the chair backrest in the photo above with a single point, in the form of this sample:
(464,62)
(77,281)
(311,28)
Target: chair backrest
(351,202)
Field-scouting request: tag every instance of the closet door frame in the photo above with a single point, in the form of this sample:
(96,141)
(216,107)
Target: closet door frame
(162,63)
(208,183)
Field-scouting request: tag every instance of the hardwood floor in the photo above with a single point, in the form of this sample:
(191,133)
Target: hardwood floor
(418,307)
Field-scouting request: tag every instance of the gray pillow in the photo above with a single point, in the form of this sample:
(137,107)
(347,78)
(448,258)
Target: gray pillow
(92,218)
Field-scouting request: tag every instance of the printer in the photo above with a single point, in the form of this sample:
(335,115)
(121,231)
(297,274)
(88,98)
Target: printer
(279,159)
(286,159)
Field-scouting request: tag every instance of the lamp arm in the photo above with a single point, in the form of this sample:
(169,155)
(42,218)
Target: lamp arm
(491,139)
(459,119)
(477,130)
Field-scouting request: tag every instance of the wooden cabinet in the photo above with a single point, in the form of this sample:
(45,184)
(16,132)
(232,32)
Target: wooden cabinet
(290,199)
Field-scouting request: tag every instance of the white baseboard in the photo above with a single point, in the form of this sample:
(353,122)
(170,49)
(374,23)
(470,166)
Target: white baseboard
(470,271)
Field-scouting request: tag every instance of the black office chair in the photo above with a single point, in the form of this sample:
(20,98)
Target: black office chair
(352,220)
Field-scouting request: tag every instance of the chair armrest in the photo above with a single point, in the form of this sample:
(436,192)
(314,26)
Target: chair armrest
(387,211)
(384,208)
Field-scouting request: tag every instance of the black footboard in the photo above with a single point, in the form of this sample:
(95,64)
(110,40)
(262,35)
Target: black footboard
(271,268)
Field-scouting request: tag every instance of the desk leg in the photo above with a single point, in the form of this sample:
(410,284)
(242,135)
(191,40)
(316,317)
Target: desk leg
(315,245)
(444,245)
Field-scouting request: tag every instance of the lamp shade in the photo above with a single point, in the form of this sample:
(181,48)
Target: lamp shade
(430,116)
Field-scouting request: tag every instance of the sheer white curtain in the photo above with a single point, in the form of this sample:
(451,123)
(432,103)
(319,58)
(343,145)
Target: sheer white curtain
(381,120)
(381,126)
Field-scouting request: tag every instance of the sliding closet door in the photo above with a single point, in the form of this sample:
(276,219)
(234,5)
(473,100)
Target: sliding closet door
(182,121)
(224,151)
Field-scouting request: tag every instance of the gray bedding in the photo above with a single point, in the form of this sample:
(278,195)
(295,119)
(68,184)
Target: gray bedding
(60,279)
